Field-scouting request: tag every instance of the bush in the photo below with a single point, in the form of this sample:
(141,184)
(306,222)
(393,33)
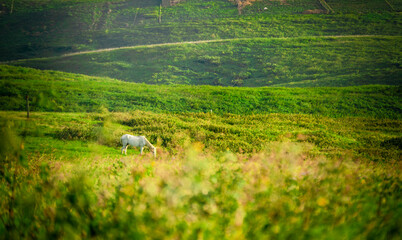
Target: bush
(78,132)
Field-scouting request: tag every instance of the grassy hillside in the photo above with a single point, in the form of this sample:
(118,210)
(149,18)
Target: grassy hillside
(316,155)
(294,62)
(64,172)
(73,135)
(57,91)
(346,6)
(40,28)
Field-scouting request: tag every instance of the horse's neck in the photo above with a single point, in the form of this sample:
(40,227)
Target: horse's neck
(148,143)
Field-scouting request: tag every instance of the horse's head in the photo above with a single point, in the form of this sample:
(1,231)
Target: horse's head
(154,151)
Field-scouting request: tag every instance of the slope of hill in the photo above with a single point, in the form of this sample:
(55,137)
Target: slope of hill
(58,91)
(301,62)
(40,28)
(72,176)
(232,162)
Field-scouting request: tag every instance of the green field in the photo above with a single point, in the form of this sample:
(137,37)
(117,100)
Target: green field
(317,157)
(293,62)
(214,176)
(272,119)
(64,92)
(40,29)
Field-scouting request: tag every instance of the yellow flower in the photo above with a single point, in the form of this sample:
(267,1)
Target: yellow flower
(276,229)
(128,190)
(198,146)
(322,202)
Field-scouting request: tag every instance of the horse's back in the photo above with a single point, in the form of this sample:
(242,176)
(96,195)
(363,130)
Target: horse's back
(133,140)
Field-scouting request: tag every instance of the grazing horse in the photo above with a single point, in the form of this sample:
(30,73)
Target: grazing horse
(136,141)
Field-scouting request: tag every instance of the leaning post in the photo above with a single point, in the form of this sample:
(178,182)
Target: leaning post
(27,98)
(160,14)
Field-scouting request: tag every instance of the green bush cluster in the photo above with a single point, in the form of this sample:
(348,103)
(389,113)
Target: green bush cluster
(103,133)
(83,133)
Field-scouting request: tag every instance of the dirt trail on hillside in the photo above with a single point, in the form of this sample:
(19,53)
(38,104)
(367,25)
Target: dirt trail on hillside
(191,42)
(211,41)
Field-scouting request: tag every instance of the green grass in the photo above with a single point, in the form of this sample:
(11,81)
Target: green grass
(63,92)
(329,177)
(64,27)
(289,62)
(345,6)
(232,162)
(76,135)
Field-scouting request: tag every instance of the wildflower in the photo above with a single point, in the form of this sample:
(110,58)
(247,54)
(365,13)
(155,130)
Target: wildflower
(276,229)
(198,146)
(322,202)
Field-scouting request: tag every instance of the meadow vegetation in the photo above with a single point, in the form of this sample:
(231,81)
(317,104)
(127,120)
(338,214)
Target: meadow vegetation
(293,62)
(39,29)
(333,178)
(286,126)
(64,92)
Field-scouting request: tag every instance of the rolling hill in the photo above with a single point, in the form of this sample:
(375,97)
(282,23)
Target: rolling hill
(288,62)
(273,119)
(65,92)
(42,29)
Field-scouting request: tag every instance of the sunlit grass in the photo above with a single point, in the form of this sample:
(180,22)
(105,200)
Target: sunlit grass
(64,92)
(308,178)
(285,191)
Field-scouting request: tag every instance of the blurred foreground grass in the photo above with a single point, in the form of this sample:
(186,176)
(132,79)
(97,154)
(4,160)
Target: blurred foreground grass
(62,176)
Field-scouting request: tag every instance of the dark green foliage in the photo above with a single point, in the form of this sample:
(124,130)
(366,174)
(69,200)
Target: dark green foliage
(393,143)
(346,6)
(83,133)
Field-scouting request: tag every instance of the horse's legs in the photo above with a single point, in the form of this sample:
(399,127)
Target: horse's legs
(124,149)
(141,150)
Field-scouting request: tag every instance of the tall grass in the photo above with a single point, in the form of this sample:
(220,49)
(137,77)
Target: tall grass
(215,177)
(284,191)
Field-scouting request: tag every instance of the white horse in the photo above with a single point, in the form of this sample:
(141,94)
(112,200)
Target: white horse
(136,141)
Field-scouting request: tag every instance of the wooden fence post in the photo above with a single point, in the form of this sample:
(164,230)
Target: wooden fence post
(27,98)
(12,7)
(160,13)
